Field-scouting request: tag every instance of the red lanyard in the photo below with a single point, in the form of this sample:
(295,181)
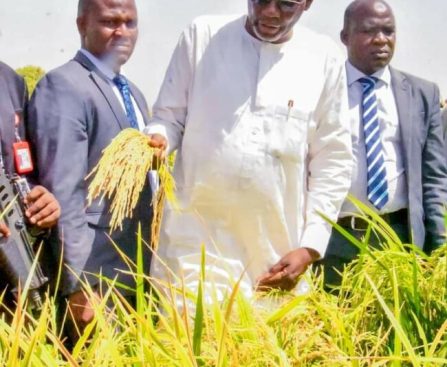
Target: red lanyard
(22,154)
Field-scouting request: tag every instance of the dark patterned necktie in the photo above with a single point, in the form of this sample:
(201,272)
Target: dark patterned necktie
(121,82)
(377,187)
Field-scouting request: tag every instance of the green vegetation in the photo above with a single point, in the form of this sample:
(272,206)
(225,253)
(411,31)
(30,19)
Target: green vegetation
(32,74)
(390,310)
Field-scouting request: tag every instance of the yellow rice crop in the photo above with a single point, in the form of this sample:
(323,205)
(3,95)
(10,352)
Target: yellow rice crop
(121,174)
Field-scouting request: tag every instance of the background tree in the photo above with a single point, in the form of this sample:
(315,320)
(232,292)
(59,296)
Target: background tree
(32,75)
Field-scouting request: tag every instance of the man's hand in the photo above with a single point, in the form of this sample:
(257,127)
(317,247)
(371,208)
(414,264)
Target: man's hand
(81,312)
(43,208)
(160,143)
(284,274)
(4,230)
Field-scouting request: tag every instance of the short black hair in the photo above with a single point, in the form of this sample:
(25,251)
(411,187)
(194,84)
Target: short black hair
(352,7)
(346,18)
(83,6)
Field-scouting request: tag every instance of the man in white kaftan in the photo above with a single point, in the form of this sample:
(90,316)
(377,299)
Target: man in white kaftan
(255,107)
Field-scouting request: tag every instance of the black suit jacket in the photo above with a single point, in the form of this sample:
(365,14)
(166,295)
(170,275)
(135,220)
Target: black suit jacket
(417,102)
(73,115)
(425,162)
(13,100)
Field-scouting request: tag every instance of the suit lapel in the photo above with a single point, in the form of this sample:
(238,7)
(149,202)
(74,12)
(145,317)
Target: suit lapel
(100,81)
(402,94)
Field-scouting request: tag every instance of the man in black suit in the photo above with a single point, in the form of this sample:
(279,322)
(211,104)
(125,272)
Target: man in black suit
(43,209)
(400,165)
(75,112)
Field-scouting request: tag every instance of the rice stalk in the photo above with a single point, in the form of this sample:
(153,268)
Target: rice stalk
(374,320)
(121,174)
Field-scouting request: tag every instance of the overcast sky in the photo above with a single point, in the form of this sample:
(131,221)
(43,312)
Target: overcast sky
(43,33)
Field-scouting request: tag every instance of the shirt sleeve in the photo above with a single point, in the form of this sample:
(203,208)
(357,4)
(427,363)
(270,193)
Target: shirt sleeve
(170,108)
(329,158)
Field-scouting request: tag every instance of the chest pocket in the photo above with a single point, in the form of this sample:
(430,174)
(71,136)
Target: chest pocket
(287,133)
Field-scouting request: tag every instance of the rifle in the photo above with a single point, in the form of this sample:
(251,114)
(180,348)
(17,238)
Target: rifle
(17,251)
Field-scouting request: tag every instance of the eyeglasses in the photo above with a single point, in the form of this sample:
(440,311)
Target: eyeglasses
(284,5)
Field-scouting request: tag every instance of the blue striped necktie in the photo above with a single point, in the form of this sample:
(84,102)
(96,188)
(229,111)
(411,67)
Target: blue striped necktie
(121,82)
(377,186)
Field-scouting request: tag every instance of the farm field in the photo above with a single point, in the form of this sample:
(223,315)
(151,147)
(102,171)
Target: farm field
(390,310)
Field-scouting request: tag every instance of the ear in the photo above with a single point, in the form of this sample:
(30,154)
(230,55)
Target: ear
(344,37)
(80,22)
(308,4)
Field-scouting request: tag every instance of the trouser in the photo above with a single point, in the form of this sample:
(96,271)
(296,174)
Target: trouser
(341,252)
(7,303)
(73,328)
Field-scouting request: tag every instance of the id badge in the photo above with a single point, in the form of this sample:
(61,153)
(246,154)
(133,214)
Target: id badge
(22,157)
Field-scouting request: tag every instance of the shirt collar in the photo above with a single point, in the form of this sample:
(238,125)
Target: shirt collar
(101,65)
(353,74)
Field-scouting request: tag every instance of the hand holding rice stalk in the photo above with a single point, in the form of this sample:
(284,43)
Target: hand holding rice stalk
(121,174)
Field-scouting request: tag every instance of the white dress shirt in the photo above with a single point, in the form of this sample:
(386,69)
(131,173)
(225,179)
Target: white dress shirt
(110,74)
(263,146)
(391,142)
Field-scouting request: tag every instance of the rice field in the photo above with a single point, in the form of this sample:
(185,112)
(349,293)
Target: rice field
(390,310)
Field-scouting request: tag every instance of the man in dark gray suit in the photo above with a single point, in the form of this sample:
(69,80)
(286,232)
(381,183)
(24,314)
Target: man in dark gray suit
(75,112)
(400,165)
(44,209)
